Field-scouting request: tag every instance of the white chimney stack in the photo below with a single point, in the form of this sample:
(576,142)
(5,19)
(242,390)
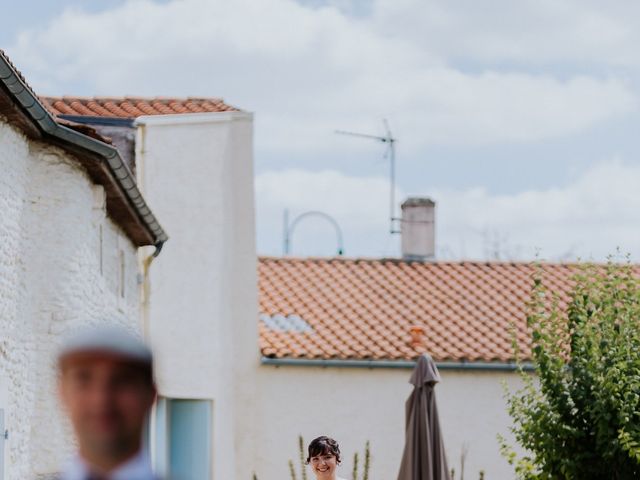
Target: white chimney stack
(417,227)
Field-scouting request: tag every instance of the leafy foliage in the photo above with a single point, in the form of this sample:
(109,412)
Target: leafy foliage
(579,418)
(366,466)
(463,459)
(301,459)
(292,470)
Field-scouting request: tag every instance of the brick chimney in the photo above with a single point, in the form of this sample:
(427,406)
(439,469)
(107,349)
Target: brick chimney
(417,227)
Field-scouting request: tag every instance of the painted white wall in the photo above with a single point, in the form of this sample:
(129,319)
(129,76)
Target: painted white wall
(55,274)
(354,405)
(197,172)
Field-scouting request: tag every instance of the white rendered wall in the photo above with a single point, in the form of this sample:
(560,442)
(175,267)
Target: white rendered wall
(354,405)
(197,172)
(54,276)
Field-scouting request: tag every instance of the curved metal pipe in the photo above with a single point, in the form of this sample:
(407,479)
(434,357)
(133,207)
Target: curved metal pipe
(316,213)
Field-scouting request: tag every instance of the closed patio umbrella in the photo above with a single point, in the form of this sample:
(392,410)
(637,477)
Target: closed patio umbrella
(424,456)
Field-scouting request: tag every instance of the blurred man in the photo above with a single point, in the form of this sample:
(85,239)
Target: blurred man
(107,389)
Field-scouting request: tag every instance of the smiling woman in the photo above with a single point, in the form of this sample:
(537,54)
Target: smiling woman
(324,458)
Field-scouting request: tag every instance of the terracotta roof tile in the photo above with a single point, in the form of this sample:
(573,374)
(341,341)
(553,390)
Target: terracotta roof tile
(132,107)
(362,309)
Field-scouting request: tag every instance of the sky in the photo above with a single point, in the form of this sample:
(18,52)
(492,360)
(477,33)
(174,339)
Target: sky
(519,119)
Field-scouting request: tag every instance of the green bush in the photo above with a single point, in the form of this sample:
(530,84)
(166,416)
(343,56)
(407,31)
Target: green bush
(579,417)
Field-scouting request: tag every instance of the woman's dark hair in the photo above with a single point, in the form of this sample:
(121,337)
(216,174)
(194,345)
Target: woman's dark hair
(323,446)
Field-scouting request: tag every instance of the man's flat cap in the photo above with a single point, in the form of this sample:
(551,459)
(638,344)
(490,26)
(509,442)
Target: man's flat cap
(110,340)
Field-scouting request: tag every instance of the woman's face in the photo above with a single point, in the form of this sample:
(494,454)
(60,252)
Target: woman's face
(324,466)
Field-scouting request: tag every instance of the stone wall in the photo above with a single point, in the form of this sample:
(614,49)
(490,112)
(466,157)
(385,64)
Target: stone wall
(63,263)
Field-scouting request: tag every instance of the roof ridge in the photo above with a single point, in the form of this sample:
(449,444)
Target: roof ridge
(294,259)
(6,58)
(132,97)
(130,106)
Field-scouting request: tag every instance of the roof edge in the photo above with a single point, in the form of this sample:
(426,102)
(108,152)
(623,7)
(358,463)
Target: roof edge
(394,364)
(118,173)
(192,118)
(534,262)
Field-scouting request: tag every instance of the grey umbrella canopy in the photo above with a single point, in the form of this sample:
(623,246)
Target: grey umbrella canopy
(424,457)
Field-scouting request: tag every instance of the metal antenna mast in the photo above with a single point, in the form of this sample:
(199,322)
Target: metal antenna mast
(391,146)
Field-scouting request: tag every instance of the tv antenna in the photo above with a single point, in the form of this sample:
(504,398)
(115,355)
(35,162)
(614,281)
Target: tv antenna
(390,141)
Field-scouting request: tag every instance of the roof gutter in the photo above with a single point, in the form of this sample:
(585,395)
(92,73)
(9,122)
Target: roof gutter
(394,364)
(94,120)
(109,157)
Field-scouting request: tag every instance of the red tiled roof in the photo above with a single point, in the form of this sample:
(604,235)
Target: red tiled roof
(132,107)
(364,309)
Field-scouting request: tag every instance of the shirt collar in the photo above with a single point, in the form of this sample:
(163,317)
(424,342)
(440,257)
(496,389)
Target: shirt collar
(136,468)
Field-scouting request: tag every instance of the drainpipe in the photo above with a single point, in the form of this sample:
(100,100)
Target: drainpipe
(146,289)
(147,260)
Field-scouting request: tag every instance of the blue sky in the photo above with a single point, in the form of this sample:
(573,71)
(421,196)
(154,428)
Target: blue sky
(519,118)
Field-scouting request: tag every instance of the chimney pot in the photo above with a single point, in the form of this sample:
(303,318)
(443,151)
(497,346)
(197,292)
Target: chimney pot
(417,337)
(418,228)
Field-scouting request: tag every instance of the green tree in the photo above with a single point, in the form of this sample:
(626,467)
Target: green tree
(579,416)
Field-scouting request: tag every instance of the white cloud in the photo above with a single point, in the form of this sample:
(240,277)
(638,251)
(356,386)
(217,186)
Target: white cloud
(588,218)
(588,33)
(307,71)
(445,73)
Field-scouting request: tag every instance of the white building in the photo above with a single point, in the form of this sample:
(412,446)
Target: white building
(360,403)
(339,337)
(194,163)
(71,221)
